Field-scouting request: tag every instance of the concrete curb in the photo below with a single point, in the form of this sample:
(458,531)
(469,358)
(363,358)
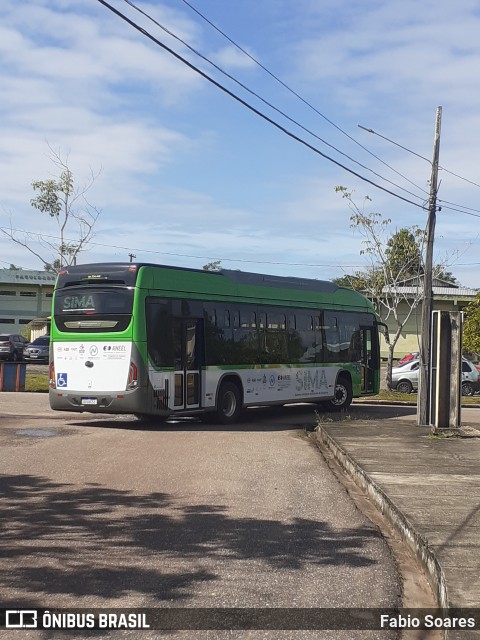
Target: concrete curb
(401,403)
(411,537)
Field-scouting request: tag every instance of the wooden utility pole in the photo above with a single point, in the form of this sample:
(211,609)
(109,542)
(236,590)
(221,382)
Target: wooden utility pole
(423,407)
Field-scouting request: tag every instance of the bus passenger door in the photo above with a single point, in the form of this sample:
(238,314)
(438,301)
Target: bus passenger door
(187,349)
(369,360)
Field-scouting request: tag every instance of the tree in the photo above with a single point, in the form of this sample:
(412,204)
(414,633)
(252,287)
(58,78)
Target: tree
(471,326)
(393,261)
(403,252)
(68,206)
(216,265)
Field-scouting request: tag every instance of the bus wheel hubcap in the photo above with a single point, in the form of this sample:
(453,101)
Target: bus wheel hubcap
(229,404)
(340,395)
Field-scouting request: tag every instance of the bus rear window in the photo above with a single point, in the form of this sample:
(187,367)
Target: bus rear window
(90,310)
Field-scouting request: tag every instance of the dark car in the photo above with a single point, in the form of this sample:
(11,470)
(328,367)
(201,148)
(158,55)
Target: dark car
(38,350)
(11,346)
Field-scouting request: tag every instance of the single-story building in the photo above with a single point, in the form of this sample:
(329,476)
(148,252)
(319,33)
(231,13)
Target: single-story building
(25,295)
(446,297)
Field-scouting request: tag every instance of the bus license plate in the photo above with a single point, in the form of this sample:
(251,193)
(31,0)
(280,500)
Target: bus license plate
(89,400)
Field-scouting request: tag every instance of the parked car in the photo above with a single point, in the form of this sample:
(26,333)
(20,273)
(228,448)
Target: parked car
(470,378)
(11,346)
(408,358)
(38,350)
(405,377)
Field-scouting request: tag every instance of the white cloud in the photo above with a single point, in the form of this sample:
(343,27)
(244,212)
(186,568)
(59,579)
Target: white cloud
(187,172)
(232,58)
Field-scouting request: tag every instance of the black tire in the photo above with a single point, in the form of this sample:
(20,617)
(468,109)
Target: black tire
(229,403)
(404,386)
(343,396)
(467,389)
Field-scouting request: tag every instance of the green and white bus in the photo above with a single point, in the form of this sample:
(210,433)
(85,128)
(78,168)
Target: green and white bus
(154,340)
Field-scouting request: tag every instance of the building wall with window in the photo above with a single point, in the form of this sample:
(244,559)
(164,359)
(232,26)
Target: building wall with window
(445,298)
(24,296)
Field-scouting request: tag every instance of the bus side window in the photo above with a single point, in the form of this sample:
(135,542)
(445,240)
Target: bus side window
(302,343)
(319,337)
(355,351)
(332,338)
(159,332)
(292,338)
(276,338)
(245,335)
(218,334)
(262,356)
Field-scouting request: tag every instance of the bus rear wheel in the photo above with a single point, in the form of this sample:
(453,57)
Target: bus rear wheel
(342,397)
(229,403)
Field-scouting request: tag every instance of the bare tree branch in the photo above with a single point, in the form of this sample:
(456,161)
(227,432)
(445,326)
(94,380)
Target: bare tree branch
(68,206)
(393,260)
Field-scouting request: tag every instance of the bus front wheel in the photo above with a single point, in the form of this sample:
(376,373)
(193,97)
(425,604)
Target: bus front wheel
(229,403)
(343,395)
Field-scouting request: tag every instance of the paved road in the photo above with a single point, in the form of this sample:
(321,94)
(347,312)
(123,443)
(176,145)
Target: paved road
(107,512)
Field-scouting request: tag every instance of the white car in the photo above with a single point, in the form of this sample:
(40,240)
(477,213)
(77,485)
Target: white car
(405,378)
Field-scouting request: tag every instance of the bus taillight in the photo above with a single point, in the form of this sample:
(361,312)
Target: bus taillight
(52,375)
(132,376)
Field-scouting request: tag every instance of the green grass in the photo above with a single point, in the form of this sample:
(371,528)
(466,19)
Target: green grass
(410,398)
(37,382)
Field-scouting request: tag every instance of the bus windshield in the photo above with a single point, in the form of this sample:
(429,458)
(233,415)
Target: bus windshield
(90,309)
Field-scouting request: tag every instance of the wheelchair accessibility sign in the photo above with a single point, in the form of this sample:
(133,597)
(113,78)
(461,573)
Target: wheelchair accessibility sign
(61,380)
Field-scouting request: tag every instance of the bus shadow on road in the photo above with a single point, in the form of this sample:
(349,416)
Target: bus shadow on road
(254,419)
(284,418)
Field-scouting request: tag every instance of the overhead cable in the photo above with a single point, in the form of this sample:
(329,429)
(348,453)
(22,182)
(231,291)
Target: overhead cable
(251,107)
(296,94)
(269,104)
(40,236)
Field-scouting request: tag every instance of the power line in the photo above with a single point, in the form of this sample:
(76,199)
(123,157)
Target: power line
(475,184)
(460,210)
(454,206)
(41,236)
(368,130)
(272,106)
(251,107)
(440,168)
(297,95)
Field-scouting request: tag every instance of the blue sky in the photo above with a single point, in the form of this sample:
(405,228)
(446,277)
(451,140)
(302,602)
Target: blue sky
(188,175)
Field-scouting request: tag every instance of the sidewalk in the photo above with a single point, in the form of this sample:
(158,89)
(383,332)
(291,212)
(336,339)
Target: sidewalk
(429,487)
